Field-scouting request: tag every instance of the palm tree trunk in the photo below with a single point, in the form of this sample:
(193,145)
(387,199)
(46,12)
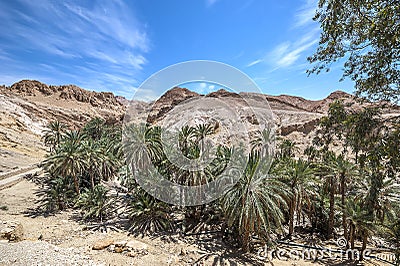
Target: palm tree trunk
(364,244)
(246,241)
(352,236)
(76,185)
(331,208)
(343,201)
(92,180)
(291,217)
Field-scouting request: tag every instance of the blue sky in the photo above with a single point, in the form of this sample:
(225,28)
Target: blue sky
(116,45)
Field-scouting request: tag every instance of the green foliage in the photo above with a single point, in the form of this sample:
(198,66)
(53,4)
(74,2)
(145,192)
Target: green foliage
(287,148)
(357,185)
(95,203)
(391,232)
(95,128)
(366,35)
(81,158)
(264,142)
(67,160)
(53,134)
(368,186)
(85,154)
(148,215)
(254,204)
(58,194)
(299,176)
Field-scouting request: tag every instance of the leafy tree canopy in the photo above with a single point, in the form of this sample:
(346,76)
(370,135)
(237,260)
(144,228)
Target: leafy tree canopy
(366,35)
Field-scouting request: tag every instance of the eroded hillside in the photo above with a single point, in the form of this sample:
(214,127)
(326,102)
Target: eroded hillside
(27,106)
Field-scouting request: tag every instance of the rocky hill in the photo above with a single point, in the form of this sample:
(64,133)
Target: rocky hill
(278,104)
(28,105)
(295,117)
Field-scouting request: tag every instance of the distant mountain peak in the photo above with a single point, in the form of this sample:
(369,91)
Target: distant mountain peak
(34,88)
(223,93)
(339,95)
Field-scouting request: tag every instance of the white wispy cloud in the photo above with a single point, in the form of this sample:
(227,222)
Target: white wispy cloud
(102,43)
(255,62)
(290,52)
(287,53)
(210,2)
(304,15)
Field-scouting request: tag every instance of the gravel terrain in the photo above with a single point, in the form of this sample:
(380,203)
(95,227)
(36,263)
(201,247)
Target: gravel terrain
(41,253)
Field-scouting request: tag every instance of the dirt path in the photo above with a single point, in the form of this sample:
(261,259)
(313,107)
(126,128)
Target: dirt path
(12,178)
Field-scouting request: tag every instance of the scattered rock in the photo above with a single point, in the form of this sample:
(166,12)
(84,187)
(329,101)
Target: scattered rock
(183,252)
(121,243)
(118,249)
(11,230)
(102,244)
(136,245)
(131,248)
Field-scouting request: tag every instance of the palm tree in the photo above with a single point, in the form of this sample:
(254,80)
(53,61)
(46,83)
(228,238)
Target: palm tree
(359,222)
(387,198)
(141,145)
(299,176)
(255,203)
(201,131)
(312,153)
(263,142)
(74,137)
(53,134)
(186,135)
(95,128)
(148,215)
(95,203)
(69,159)
(392,234)
(343,171)
(110,160)
(287,149)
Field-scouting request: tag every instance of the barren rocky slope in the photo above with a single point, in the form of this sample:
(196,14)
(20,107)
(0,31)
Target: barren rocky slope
(296,118)
(27,106)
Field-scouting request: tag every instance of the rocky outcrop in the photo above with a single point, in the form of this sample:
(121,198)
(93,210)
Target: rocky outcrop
(105,100)
(304,128)
(31,88)
(11,231)
(168,101)
(223,93)
(131,248)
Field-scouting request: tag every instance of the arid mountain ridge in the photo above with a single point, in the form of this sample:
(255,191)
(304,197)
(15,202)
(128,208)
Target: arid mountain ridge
(28,105)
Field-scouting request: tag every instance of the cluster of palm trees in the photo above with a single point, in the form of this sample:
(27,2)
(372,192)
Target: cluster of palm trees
(362,178)
(79,159)
(351,192)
